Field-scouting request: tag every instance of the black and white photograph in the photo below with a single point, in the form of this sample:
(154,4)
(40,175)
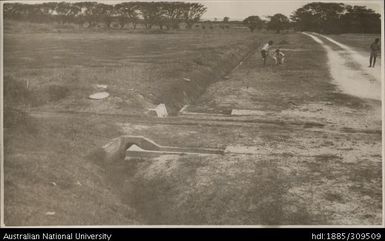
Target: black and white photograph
(193,113)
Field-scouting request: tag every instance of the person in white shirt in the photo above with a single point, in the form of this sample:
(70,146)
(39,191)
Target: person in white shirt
(265,51)
(278,56)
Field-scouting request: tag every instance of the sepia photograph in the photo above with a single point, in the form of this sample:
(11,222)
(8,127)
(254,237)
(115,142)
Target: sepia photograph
(192,113)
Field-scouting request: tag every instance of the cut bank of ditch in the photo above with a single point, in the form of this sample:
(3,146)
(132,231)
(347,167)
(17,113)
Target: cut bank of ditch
(48,155)
(311,174)
(140,70)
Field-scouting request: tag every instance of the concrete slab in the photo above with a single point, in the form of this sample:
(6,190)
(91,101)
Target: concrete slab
(99,95)
(100,86)
(183,109)
(242,150)
(239,112)
(134,148)
(139,146)
(160,110)
(152,154)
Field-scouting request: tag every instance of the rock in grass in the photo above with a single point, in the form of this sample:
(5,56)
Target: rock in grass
(134,147)
(99,95)
(101,86)
(160,110)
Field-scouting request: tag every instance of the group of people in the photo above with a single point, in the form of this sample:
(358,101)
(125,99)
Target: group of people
(279,56)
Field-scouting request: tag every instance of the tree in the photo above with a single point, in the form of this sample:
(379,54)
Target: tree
(48,9)
(359,19)
(8,10)
(319,17)
(63,10)
(336,18)
(104,13)
(35,13)
(87,13)
(278,22)
(73,13)
(173,12)
(17,11)
(151,13)
(226,19)
(253,22)
(192,12)
(127,13)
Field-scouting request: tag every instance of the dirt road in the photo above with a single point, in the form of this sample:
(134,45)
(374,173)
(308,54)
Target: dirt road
(360,57)
(349,69)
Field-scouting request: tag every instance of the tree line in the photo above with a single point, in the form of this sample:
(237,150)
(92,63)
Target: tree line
(322,17)
(163,14)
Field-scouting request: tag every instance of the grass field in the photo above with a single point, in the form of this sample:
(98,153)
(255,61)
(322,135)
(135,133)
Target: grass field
(361,42)
(132,65)
(318,155)
(57,71)
(314,173)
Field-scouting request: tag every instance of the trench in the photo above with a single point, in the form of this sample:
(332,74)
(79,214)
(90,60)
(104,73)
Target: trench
(165,189)
(181,93)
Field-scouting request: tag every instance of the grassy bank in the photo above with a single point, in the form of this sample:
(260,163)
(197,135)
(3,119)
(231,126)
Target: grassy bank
(318,172)
(61,70)
(48,180)
(361,42)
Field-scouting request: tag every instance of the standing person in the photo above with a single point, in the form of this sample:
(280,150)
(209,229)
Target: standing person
(265,51)
(374,49)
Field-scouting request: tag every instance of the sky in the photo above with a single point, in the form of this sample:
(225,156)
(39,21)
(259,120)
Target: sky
(240,9)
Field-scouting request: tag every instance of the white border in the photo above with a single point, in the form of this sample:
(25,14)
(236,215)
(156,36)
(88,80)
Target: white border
(1,122)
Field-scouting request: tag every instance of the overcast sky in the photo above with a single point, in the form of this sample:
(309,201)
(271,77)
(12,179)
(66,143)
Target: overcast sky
(240,9)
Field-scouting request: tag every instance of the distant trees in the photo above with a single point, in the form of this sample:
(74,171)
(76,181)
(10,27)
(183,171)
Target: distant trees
(336,18)
(323,17)
(38,13)
(278,22)
(152,13)
(168,14)
(359,19)
(103,13)
(173,14)
(253,22)
(19,11)
(127,12)
(319,17)
(192,13)
(65,11)
(87,13)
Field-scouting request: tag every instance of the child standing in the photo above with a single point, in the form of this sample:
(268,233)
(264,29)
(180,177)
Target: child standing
(265,51)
